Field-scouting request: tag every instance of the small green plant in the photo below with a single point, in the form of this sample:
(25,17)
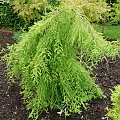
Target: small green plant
(45,61)
(115,111)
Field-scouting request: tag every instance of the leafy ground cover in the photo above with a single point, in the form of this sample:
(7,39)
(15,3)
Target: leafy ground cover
(107,73)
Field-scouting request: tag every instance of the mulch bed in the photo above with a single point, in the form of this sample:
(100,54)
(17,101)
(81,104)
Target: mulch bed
(11,104)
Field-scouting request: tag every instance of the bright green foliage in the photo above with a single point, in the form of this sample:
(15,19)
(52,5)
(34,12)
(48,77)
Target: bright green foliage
(115,12)
(116,7)
(94,10)
(45,62)
(115,111)
(29,9)
(33,9)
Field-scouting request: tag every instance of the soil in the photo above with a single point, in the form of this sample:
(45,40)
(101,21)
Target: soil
(11,104)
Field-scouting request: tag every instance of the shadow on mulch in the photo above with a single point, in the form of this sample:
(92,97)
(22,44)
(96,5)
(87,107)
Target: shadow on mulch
(12,107)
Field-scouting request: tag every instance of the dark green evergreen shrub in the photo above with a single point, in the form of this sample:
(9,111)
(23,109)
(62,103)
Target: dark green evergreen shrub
(8,18)
(45,61)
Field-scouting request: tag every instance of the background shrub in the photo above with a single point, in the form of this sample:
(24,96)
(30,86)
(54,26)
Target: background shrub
(34,9)
(54,2)
(30,10)
(94,10)
(116,12)
(8,18)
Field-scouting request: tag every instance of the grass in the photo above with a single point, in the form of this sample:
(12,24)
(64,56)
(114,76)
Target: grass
(17,35)
(110,31)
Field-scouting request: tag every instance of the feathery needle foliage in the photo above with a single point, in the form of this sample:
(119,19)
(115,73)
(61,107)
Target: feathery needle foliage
(115,98)
(45,62)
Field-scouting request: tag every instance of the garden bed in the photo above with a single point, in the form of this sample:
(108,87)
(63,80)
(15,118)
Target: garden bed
(11,106)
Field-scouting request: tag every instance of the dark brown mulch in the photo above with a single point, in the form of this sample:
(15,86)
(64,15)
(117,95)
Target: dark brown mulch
(11,103)
(6,37)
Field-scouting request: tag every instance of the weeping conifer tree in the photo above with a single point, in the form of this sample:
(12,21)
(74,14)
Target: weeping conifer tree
(45,62)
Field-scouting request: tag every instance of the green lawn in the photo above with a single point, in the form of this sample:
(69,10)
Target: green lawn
(110,31)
